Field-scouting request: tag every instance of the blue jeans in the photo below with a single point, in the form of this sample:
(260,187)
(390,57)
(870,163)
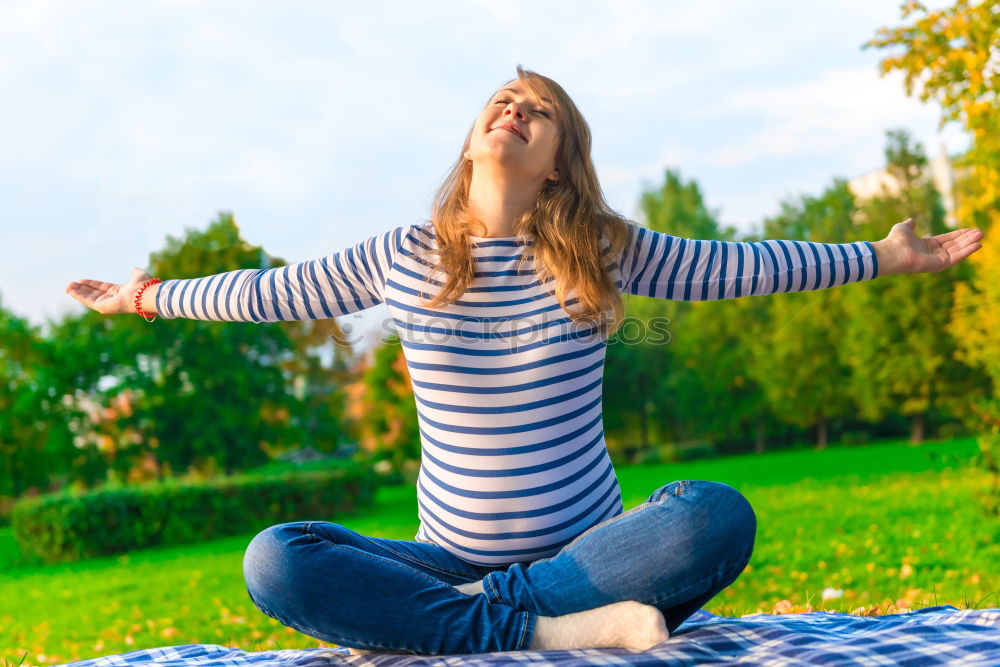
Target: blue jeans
(676,551)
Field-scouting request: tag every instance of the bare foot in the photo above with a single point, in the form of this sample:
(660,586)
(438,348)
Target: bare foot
(627,624)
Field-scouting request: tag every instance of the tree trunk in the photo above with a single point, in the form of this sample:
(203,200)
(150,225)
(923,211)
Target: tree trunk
(917,429)
(758,442)
(821,434)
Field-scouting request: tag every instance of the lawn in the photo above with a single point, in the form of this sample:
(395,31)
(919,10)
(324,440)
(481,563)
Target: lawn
(892,526)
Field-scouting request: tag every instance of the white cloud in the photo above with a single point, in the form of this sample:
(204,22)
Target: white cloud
(841,107)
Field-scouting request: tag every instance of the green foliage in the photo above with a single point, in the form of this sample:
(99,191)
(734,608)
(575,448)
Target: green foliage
(677,452)
(655,384)
(196,395)
(635,407)
(894,336)
(949,55)
(793,348)
(30,448)
(714,388)
(72,526)
(975,324)
(383,412)
(227,375)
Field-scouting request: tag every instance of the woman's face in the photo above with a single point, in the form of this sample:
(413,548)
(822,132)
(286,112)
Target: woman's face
(528,148)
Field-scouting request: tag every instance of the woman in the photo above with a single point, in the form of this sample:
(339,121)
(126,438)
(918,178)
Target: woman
(503,303)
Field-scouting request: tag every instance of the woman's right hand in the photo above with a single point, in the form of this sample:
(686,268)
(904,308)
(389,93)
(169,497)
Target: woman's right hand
(108,298)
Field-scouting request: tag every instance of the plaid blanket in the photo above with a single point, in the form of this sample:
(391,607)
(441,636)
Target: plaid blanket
(933,636)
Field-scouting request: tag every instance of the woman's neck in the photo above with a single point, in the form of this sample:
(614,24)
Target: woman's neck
(496,201)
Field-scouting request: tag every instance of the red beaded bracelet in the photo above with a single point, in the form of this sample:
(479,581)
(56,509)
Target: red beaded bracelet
(138,299)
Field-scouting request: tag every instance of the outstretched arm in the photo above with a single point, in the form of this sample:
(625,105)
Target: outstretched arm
(669,267)
(344,282)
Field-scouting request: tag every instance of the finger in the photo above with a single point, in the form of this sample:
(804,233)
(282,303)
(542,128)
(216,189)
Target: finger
(97,284)
(91,293)
(83,293)
(954,234)
(962,253)
(80,296)
(959,250)
(959,233)
(959,237)
(96,287)
(962,241)
(954,259)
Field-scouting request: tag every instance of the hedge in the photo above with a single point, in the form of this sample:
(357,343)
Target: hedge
(70,526)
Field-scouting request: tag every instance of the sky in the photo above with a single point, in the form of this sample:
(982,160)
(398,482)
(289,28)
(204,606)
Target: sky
(319,124)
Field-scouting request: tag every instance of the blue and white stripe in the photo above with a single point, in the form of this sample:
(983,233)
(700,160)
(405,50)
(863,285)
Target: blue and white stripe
(507,386)
(670,267)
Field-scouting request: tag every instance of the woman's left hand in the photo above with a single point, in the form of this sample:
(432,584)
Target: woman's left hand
(902,251)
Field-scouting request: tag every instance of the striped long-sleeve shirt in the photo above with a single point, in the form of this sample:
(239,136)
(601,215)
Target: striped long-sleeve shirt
(508,388)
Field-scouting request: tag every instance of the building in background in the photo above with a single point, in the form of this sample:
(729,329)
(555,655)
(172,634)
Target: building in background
(942,172)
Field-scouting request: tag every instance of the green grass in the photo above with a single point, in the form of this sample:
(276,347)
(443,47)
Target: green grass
(892,526)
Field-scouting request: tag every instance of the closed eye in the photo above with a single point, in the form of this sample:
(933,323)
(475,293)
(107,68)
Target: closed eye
(541,111)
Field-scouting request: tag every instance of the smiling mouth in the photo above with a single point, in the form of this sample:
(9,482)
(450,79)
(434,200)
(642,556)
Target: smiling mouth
(513,131)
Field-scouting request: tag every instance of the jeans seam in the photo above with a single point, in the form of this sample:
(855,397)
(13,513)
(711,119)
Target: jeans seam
(406,557)
(524,631)
(499,598)
(364,641)
(309,629)
(431,566)
(388,560)
(313,632)
(604,523)
(718,571)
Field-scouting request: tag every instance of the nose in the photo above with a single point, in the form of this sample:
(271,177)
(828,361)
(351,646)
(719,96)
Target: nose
(514,108)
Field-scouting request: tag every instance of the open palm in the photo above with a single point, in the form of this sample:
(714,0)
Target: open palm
(108,298)
(931,253)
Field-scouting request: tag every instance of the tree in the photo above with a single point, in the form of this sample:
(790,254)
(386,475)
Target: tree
(207,395)
(951,55)
(715,390)
(895,338)
(794,349)
(641,371)
(381,408)
(975,325)
(691,383)
(34,440)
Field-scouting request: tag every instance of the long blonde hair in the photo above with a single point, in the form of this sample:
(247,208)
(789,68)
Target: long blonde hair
(567,222)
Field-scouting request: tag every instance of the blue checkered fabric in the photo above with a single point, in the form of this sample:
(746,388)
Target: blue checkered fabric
(940,635)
